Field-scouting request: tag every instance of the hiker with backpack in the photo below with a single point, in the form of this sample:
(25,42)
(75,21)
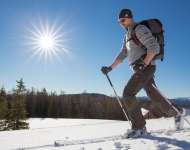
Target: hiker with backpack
(143,44)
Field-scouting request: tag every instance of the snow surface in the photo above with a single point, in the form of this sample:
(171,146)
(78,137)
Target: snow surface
(43,133)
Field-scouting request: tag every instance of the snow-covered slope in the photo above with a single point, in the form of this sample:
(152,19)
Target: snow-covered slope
(43,133)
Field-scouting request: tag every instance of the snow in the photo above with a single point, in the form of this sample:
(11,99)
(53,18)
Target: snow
(43,133)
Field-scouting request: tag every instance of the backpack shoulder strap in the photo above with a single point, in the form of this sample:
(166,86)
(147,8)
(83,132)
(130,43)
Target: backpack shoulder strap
(135,38)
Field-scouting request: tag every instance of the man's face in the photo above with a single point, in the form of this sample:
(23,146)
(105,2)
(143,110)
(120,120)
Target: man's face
(125,22)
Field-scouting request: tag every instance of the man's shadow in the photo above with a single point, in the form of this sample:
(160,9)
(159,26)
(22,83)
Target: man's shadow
(179,143)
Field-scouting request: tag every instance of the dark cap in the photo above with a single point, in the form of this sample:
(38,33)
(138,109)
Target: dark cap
(125,13)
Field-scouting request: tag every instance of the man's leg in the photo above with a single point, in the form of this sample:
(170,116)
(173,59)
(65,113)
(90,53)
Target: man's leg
(159,104)
(138,80)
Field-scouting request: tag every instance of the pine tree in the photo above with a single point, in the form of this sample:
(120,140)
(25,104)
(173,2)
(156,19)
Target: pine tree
(3,109)
(17,114)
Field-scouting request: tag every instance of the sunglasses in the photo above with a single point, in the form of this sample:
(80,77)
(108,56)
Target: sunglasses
(121,20)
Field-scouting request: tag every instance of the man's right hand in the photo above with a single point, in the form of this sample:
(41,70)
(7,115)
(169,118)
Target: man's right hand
(106,70)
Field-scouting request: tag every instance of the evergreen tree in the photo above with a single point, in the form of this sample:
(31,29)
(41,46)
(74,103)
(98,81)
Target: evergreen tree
(3,109)
(17,114)
(30,101)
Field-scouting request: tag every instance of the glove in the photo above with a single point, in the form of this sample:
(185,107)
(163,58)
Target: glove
(140,67)
(106,69)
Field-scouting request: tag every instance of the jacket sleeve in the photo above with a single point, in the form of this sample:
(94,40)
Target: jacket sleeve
(123,52)
(147,39)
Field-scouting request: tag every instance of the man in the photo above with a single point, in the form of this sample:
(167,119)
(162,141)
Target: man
(143,63)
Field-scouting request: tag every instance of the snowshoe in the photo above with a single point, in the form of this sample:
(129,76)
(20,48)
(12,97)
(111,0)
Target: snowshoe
(134,133)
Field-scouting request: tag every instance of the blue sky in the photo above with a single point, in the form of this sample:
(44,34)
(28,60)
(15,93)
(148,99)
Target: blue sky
(95,38)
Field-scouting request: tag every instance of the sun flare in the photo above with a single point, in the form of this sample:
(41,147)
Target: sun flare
(47,40)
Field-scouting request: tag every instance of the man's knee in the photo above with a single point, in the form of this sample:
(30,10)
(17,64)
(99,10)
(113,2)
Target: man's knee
(127,92)
(130,103)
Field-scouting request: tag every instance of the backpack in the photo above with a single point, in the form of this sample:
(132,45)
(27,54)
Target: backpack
(157,31)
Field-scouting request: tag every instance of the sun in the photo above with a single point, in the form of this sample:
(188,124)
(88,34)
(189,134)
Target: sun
(47,41)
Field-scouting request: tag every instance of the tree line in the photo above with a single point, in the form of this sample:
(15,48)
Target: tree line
(21,103)
(18,105)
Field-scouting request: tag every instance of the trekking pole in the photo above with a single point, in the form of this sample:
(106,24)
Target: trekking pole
(177,111)
(118,99)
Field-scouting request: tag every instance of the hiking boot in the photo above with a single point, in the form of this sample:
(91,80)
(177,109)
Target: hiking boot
(134,133)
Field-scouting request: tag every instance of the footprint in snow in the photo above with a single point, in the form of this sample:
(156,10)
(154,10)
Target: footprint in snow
(119,146)
(82,148)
